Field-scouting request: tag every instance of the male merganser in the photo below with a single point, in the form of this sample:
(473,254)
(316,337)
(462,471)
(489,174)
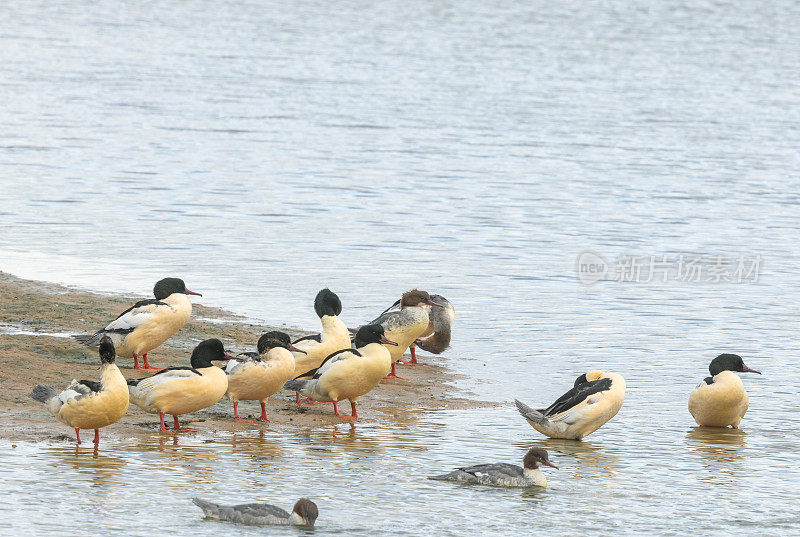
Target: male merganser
(348,373)
(260,375)
(304,513)
(721,400)
(148,323)
(503,474)
(334,336)
(407,324)
(181,390)
(87,404)
(439,328)
(595,398)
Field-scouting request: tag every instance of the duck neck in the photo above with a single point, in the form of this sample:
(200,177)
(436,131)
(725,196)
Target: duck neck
(332,325)
(535,475)
(437,343)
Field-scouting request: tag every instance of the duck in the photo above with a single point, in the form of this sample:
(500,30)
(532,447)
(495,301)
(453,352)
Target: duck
(313,349)
(259,375)
(88,404)
(181,390)
(439,328)
(504,474)
(721,400)
(595,398)
(304,513)
(407,324)
(348,373)
(147,324)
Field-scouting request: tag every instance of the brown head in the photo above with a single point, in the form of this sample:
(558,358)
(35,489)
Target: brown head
(536,457)
(307,510)
(415,297)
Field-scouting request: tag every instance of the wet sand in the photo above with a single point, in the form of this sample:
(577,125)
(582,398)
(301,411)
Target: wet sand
(36,317)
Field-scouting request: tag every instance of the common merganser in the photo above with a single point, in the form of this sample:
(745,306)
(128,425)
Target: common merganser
(439,328)
(88,404)
(148,323)
(181,390)
(721,400)
(407,324)
(260,375)
(304,513)
(348,373)
(504,474)
(334,336)
(595,398)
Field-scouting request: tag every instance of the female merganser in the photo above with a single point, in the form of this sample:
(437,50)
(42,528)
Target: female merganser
(721,400)
(348,373)
(304,513)
(595,399)
(503,474)
(181,390)
(407,324)
(439,328)
(87,404)
(334,336)
(260,375)
(148,323)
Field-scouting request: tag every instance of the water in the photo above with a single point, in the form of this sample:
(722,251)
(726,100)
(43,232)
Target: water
(264,151)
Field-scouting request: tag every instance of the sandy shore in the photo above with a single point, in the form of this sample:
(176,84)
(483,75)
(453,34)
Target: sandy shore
(36,317)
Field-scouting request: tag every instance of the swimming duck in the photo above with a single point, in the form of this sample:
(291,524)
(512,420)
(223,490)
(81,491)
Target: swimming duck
(334,336)
(503,474)
(721,400)
(439,328)
(595,398)
(257,376)
(407,324)
(88,404)
(148,323)
(181,390)
(304,513)
(348,373)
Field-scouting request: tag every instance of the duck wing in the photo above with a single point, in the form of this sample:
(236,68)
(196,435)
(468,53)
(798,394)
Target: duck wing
(581,394)
(498,469)
(127,321)
(165,375)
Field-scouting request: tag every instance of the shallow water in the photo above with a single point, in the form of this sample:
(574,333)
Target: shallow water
(264,151)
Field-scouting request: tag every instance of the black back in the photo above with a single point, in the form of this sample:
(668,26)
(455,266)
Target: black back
(145,302)
(576,395)
(312,337)
(314,373)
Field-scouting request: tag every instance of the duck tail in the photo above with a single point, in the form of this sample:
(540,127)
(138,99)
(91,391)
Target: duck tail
(529,413)
(90,340)
(132,382)
(43,393)
(209,509)
(296,385)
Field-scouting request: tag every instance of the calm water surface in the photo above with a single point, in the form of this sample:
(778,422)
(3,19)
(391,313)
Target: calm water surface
(264,150)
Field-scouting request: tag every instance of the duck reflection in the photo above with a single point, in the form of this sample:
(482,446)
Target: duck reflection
(721,449)
(195,459)
(261,447)
(101,468)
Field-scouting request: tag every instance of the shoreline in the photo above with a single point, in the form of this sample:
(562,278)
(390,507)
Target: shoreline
(37,317)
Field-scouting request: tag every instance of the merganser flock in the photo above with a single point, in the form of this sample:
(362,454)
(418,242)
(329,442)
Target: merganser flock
(327,367)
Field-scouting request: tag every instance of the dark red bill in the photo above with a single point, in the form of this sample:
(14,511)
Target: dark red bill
(387,341)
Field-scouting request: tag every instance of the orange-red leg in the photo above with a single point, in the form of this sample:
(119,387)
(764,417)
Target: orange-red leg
(96,437)
(178,428)
(78,434)
(263,416)
(236,413)
(147,366)
(336,412)
(300,402)
(413,349)
(355,412)
(393,373)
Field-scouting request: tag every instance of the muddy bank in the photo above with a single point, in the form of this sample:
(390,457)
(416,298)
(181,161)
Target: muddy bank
(36,317)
